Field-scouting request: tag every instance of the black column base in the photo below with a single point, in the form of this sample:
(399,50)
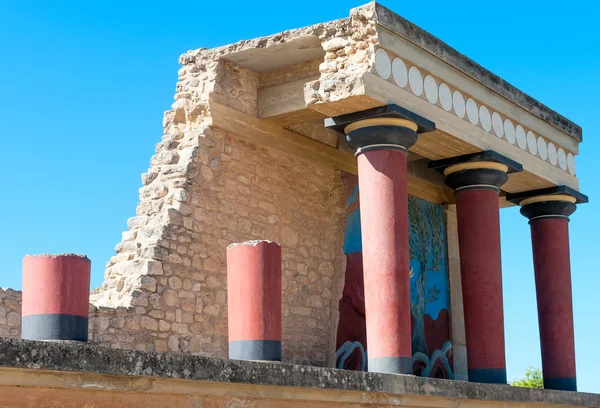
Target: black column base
(488,375)
(563,384)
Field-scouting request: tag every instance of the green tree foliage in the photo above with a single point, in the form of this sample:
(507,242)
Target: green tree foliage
(533,379)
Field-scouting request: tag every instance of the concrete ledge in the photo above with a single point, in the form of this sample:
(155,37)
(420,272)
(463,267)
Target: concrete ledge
(81,358)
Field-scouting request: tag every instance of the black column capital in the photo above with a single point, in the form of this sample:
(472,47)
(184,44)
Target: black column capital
(553,202)
(387,127)
(484,170)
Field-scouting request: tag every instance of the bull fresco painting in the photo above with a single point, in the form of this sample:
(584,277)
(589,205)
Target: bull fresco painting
(430,310)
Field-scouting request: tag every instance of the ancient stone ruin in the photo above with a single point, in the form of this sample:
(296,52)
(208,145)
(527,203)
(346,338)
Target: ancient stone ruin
(378,158)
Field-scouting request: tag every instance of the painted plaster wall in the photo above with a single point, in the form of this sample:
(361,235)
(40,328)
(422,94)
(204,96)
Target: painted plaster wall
(430,294)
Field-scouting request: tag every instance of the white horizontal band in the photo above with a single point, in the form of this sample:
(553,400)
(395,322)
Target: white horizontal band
(485,186)
(382,146)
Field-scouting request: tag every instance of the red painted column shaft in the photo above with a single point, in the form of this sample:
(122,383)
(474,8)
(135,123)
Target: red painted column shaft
(384,225)
(254,300)
(56,290)
(481,275)
(551,260)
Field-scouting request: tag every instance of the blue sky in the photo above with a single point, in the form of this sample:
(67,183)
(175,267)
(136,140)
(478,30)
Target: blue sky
(83,86)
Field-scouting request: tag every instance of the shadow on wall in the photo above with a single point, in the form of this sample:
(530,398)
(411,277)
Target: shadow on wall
(430,310)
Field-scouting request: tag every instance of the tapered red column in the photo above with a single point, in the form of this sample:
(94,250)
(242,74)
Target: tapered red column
(254,300)
(476,181)
(381,138)
(56,293)
(384,226)
(548,216)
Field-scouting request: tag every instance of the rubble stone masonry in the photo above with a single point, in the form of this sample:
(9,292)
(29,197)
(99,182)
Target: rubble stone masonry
(165,290)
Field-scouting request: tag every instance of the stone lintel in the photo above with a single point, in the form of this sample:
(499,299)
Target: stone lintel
(393,22)
(338,123)
(558,190)
(42,357)
(485,156)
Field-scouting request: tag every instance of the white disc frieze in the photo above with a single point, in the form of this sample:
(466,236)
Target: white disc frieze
(521,137)
(509,131)
(552,154)
(459,104)
(571,163)
(399,72)
(485,118)
(497,124)
(383,65)
(542,148)
(431,89)
(472,111)
(531,143)
(562,159)
(416,81)
(445,97)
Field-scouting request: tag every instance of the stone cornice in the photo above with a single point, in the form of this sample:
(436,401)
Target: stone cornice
(428,42)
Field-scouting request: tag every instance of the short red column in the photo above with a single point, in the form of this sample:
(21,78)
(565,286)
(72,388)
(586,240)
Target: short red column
(56,291)
(254,300)
(476,180)
(548,215)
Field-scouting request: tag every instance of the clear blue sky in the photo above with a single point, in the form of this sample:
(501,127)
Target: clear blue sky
(83,85)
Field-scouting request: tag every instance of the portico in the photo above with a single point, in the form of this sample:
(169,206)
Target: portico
(359,168)
(410,116)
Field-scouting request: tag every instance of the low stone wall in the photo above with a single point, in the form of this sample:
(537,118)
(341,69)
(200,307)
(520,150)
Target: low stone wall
(41,374)
(10,313)
(120,327)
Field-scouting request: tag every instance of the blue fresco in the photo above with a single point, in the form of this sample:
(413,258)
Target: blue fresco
(430,303)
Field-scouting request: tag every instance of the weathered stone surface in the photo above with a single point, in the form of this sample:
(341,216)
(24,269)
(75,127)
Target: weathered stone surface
(85,358)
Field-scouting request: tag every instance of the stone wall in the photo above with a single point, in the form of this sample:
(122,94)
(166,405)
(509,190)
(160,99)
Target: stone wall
(206,189)
(165,290)
(10,313)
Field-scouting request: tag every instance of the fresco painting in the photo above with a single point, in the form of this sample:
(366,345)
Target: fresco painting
(430,310)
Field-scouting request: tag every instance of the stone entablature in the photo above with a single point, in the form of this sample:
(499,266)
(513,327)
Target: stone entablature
(431,88)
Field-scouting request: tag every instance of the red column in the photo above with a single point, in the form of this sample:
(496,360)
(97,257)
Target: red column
(384,225)
(254,300)
(549,221)
(481,276)
(551,261)
(381,137)
(56,291)
(476,180)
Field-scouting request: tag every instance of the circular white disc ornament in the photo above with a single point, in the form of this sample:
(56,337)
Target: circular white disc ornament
(497,124)
(485,118)
(531,143)
(472,111)
(571,163)
(562,159)
(509,131)
(521,137)
(399,72)
(431,89)
(445,97)
(458,101)
(542,148)
(552,154)
(383,65)
(415,79)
